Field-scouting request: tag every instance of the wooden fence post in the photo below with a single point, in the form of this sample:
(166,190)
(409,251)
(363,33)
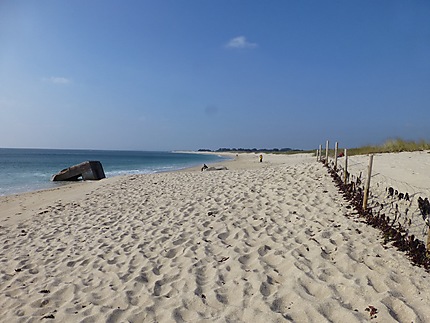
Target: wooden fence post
(320,149)
(366,189)
(345,173)
(317,154)
(336,147)
(326,152)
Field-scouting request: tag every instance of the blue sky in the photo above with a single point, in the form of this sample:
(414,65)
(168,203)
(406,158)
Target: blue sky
(190,74)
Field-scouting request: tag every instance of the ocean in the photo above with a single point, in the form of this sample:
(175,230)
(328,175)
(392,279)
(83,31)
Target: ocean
(25,170)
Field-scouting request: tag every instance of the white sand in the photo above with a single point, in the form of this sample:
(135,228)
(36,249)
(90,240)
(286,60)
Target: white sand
(260,242)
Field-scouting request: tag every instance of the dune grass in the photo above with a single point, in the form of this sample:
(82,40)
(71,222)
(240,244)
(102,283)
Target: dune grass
(391,146)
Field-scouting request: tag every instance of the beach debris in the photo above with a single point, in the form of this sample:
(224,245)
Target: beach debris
(224,259)
(372,311)
(88,170)
(390,191)
(50,316)
(401,196)
(44,291)
(392,233)
(424,206)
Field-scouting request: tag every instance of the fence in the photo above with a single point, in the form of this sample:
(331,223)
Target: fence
(386,201)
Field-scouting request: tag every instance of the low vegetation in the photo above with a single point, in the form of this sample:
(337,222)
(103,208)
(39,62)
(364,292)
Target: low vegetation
(391,146)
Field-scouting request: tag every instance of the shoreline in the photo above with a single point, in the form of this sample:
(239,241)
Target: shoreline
(31,170)
(266,241)
(24,203)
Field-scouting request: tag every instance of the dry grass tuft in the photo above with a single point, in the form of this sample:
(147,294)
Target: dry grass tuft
(391,146)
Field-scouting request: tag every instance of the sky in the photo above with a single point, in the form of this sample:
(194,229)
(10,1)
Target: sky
(191,74)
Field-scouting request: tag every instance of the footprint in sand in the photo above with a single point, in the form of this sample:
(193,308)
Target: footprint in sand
(262,251)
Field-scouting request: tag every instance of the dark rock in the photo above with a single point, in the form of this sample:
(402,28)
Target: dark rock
(89,170)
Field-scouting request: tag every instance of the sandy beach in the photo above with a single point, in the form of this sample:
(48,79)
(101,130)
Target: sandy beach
(259,242)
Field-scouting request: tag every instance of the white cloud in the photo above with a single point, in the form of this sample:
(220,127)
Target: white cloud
(57,80)
(240,42)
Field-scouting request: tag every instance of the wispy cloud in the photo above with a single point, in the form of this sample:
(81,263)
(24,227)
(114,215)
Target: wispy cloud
(57,80)
(240,42)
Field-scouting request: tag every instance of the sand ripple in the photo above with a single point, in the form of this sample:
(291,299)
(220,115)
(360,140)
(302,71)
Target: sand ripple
(261,245)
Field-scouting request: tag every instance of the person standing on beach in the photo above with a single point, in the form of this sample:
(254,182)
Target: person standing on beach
(261,158)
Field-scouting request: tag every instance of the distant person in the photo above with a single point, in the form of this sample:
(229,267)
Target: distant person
(261,158)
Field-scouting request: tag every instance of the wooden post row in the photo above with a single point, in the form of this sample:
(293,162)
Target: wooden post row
(326,152)
(336,147)
(366,189)
(345,173)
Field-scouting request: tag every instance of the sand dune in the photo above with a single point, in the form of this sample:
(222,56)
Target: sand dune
(260,242)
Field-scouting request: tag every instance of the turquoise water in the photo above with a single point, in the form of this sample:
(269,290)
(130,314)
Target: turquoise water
(24,170)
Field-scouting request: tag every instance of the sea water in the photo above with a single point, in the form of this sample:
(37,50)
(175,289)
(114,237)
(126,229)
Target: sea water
(24,170)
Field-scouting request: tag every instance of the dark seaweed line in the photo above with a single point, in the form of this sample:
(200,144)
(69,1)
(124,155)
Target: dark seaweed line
(414,248)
